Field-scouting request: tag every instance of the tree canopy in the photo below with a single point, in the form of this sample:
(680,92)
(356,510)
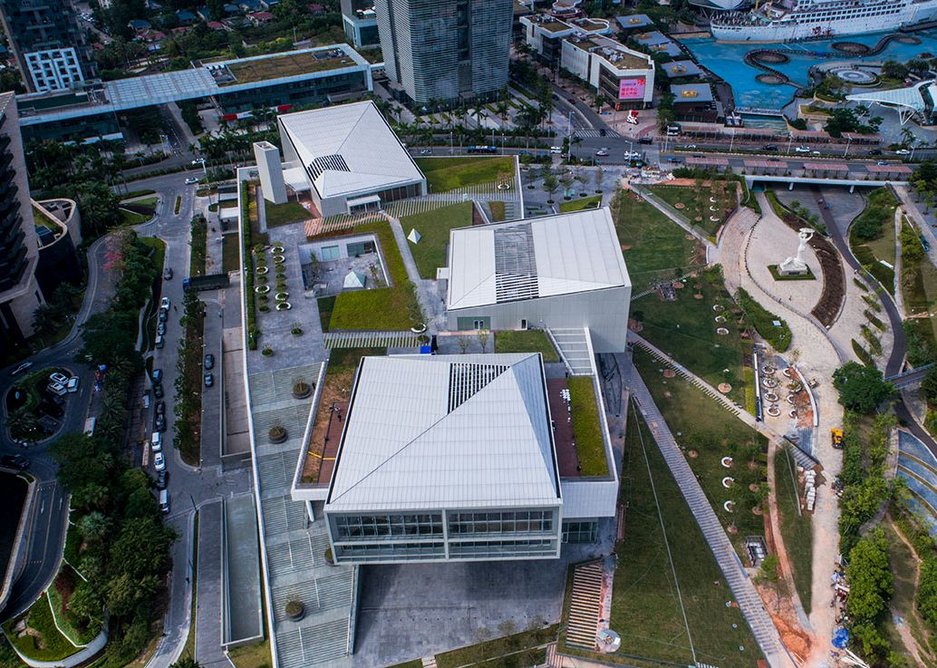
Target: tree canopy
(861,388)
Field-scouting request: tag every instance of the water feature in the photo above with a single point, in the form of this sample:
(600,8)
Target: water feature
(728,61)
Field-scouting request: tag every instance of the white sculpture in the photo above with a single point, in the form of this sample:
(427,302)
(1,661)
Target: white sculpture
(795,266)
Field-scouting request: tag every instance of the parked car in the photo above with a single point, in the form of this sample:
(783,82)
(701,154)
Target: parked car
(159,423)
(161,328)
(801,149)
(163,315)
(209,361)
(18,462)
(690,147)
(162,479)
(875,151)
(156,442)
(157,375)
(769,147)
(57,377)
(158,390)
(159,462)
(209,379)
(57,389)
(160,407)
(72,384)
(21,368)
(814,152)
(164,303)
(602,152)
(902,151)
(167,273)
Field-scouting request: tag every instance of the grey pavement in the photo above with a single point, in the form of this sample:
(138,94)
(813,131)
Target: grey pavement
(208,650)
(750,604)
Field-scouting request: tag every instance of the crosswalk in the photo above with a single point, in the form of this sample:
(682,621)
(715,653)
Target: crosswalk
(371,340)
(611,134)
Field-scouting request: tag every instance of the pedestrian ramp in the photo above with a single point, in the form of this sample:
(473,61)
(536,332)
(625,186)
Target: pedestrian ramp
(371,340)
(575,349)
(585,605)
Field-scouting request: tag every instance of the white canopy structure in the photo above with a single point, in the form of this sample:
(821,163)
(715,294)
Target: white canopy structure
(414,236)
(354,280)
(908,102)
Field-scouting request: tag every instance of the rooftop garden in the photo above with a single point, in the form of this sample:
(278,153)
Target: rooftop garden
(593,202)
(587,430)
(434,227)
(444,174)
(392,308)
(285,214)
(287,65)
(526,341)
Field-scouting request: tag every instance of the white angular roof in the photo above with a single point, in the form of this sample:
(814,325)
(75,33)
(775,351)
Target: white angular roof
(538,257)
(354,149)
(446,431)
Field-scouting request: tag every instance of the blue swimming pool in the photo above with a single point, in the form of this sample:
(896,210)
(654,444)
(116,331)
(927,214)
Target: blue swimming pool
(727,61)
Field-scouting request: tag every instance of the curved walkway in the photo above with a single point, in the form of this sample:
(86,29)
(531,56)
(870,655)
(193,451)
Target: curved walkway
(749,603)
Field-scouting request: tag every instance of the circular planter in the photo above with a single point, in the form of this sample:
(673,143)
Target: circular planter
(726,462)
(283,306)
(267,351)
(295,611)
(302,390)
(728,481)
(262,289)
(263,308)
(282,296)
(729,506)
(278,259)
(297,331)
(277,435)
(418,329)
(261,270)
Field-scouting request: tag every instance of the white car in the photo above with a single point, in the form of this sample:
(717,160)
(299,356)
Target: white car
(632,155)
(72,384)
(59,378)
(902,151)
(801,149)
(164,303)
(21,368)
(159,462)
(602,152)
(191,181)
(57,389)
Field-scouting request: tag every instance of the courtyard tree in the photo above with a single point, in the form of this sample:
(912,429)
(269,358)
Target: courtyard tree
(929,385)
(550,185)
(861,388)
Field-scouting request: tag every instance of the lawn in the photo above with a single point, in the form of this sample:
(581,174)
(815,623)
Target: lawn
(59,595)
(654,246)
(498,211)
(590,448)
(526,341)
(444,174)
(230,253)
(779,336)
(918,279)
(385,308)
(489,654)
(711,432)
(695,202)
(434,227)
(871,253)
(284,214)
(593,202)
(795,528)
(686,329)
(131,218)
(256,655)
(47,644)
(646,609)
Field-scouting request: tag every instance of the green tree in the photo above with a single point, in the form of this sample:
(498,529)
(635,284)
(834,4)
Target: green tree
(861,388)
(550,184)
(870,578)
(927,591)
(929,385)
(99,208)
(186,662)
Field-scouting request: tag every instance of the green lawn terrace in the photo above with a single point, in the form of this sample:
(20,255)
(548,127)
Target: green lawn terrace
(444,174)
(706,204)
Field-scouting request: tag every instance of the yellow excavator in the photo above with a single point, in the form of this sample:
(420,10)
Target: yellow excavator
(836,435)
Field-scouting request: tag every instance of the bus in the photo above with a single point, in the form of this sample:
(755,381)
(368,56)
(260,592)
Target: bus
(89,426)
(482,149)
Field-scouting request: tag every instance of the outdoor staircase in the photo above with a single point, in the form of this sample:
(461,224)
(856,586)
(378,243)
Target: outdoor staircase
(574,348)
(585,605)
(801,456)
(370,340)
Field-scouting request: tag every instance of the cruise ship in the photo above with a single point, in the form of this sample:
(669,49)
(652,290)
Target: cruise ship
(792,20)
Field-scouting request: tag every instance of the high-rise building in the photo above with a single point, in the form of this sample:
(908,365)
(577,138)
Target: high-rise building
(360,21)
(446,50)
(52,51)
(20,294)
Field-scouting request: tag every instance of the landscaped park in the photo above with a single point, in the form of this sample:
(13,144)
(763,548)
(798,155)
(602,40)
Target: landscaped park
(705,203)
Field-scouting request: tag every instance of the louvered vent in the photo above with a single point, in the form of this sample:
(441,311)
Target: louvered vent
(466,379)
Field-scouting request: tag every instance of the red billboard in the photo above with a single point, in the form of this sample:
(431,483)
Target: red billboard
(631,89)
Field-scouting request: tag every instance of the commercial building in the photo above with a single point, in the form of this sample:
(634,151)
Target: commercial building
(327,74)
(50,48)
(360,22)
(20,294)
(695,102)
(623,76)
(58,229)
(562,271)
(445,51)
(347,157)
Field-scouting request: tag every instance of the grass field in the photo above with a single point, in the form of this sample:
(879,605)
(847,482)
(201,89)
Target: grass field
(132,218)
(284,214)
(918,283)
(383,309)
(871,253)
(251,656)
(444,174)
(497,211)
(529,341)
(230,253)
(702,426)
(654,246)
(795,528)
(590,448)
(593,202)
(694,202)
(512,650)
(47,644)
(284,66)
(686,329)
(646,609)
(434,227)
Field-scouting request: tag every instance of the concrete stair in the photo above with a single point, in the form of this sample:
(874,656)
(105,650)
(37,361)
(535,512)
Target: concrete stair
(574,349)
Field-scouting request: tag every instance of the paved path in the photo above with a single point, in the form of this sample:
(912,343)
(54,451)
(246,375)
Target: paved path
(749,602)
(370,339)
